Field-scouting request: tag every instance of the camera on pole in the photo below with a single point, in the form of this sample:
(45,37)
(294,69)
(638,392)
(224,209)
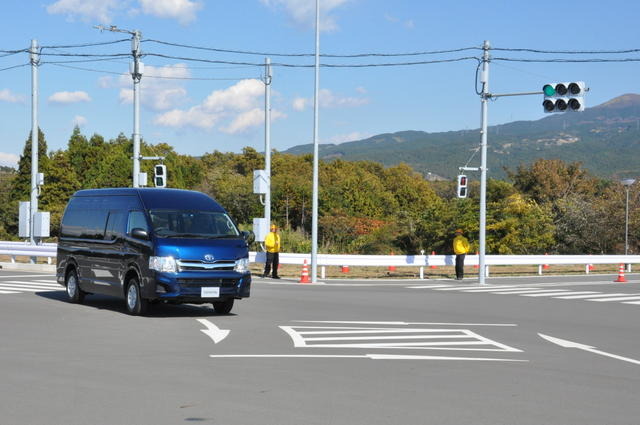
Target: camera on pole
(462,186)
(562,97)
(160,175)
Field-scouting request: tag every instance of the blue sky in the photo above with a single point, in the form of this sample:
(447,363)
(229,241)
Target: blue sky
(201,107)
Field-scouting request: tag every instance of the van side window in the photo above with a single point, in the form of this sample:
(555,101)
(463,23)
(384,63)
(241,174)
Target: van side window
(137,220)
(84,219)
(115,225)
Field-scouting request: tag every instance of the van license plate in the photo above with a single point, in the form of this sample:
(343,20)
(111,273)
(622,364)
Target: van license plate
(210,292)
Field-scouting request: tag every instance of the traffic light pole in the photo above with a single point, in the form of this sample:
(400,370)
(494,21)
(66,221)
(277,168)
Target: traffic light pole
(485,96)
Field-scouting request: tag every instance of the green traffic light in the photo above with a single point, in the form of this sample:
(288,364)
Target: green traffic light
(548,90)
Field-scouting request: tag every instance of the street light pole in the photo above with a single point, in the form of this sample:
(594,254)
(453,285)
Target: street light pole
(627,184)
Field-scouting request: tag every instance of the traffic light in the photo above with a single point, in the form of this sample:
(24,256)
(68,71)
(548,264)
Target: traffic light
(462,186)
(160,175)
(562,97)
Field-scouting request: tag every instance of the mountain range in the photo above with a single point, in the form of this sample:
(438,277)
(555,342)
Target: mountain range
(604,138)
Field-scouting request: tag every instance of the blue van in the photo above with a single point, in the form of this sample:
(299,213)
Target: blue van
(152,245)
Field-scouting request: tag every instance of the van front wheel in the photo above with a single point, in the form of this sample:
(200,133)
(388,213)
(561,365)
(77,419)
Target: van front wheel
(223,307)
(136,305)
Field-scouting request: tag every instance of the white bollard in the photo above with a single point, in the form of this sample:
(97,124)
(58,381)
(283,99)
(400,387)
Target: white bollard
(322,272)
(421,272)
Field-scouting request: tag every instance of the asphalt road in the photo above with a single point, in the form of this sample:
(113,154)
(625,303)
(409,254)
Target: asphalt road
(344,352)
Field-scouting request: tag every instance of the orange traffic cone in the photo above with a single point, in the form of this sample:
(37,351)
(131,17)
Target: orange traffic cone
(432,266)
(591,268)
(476,266)
(304,277)
(621,275)
(545,266)
(345,269)
(392,268)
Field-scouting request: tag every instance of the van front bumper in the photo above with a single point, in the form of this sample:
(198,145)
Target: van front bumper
(187,287)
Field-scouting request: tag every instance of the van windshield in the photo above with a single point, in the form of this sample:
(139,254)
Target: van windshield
(192,224)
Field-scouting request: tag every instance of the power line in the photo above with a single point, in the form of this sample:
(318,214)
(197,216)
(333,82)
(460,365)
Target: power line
(560,60)
(568,52)
(15,66)
(147,76)
(290,65)
(69,46)
(357,55)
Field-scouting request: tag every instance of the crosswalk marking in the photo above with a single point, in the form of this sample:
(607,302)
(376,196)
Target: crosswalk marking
(636,298)
(632,302)
(22,288)
(529,291)
(495,288)
(428,286)
(548,294)
(7,292)
(24,282)
(31,285)
(597,295)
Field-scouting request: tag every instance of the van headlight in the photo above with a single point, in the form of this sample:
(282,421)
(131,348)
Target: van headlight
(242,265)
(163,264)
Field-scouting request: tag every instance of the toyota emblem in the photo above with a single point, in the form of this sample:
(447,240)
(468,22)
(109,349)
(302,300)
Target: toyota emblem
(209,258)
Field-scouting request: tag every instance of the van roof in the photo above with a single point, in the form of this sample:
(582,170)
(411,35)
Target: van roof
(160,198)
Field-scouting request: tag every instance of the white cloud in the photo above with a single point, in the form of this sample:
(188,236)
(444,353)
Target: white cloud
(7,95)
(361,90)
(184,11)
(79,121)
(327,99)
(9,159)
(409,23)
(101,10)
(239,106)
(69,97)
(105,11)
(160,88)
(252,118)
(350,137)
(303,12)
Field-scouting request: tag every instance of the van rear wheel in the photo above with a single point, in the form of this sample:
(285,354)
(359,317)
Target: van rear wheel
(223,307)
(136,305)
(75,294)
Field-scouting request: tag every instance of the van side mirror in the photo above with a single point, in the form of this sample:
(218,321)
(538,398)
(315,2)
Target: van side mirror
(139,233)
(248,236)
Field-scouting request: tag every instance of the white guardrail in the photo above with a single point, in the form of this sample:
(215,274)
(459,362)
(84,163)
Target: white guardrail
(48,250)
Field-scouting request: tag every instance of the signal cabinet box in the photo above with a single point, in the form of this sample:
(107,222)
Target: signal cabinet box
(260,228)
(41,224)
(24,219)
(260,183)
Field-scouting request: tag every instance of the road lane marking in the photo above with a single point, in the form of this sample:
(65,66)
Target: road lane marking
(497,288)
(569,344)
(212,331)
(365,356)
(8,292)
(632,302)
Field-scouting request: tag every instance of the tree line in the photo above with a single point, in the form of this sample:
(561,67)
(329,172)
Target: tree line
(549,206)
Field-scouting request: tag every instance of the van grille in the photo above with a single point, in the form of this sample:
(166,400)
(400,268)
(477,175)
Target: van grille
(198,265)
(198,283)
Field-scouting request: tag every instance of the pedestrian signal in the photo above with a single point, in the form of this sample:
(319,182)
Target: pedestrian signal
(561,97)
(160,175)
(462,186)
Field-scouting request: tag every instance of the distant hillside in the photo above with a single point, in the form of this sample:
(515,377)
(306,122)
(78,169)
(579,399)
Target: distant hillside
(605,138)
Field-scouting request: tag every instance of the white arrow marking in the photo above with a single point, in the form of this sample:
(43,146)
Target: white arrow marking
(569,344)
(212,331)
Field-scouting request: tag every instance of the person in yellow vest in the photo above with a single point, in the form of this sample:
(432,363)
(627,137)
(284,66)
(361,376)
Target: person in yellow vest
(460,248)
(272,244)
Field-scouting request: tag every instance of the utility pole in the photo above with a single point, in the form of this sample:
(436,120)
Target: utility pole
(314,217)
(136,69)
(35,133)
(267,138)
(484,79)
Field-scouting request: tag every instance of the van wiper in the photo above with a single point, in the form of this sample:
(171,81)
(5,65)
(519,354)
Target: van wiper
(184,235)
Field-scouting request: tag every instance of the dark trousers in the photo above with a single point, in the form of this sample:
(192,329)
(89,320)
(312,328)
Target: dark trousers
(273,259)
(459,266)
